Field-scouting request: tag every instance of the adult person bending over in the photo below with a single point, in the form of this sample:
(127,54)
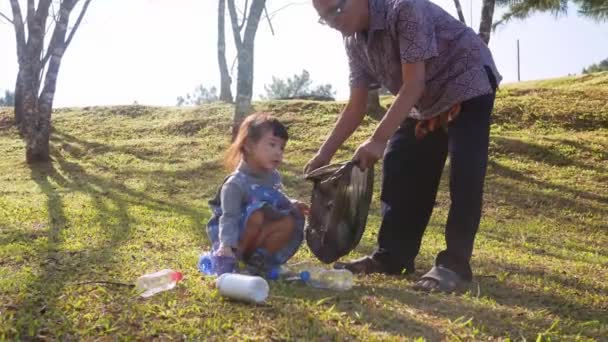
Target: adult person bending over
(437,65)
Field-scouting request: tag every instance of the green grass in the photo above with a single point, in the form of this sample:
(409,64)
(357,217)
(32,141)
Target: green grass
(126,195)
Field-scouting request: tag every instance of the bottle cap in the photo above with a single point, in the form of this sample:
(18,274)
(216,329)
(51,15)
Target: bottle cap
(274,273)
(205,264)
(177,276)
(305,275)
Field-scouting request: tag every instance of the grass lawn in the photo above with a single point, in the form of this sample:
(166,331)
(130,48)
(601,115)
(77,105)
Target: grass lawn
(126,195)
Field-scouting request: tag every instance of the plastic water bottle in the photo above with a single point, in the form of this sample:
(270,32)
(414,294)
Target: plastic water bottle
(205,264)
(156,282)
(288,273)
(216,265)
(331,279)
(296,271)
(252,289)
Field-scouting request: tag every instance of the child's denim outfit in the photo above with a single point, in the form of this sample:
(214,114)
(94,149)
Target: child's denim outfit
(244,192)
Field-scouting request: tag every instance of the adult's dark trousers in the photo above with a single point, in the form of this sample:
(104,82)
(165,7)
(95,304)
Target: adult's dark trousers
(412,170)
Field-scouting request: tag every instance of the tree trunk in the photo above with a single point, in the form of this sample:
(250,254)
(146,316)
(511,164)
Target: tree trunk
(33,107)
(487,15)
(244,88)
(245,50)
(35,127)
(18,100)
(374,109)
(38,142)
(226,81)
(38,136)
(459,10)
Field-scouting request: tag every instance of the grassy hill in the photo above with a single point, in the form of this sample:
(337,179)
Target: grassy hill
(126,195)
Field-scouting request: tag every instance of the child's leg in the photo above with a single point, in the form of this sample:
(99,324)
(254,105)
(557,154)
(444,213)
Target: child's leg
(276,234)
(251,233)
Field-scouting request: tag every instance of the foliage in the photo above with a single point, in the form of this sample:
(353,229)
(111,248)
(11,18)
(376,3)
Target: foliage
(297,86)
(199,96)
(522,9)
(601,66)
(8,100)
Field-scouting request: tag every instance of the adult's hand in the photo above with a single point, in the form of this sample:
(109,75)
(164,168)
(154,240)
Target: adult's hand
(319,160)
(368,153)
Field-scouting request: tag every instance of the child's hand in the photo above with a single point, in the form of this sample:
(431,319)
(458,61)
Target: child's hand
(225,251)
(302,207)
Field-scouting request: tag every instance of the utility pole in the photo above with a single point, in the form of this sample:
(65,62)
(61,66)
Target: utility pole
(518,63)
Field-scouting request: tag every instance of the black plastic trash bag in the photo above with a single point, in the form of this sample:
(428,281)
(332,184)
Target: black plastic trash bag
(341,197)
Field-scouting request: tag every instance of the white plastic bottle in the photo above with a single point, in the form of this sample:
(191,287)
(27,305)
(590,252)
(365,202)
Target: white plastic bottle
(156,282)
(252,289)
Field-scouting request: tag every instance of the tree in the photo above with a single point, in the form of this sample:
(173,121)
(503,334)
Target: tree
(459,11)
(200,96)
(33,105)
(225,79)
(374,109)
(8,100)
(522,9)
(298,86)
(601,66)
(244,47)
(487,16)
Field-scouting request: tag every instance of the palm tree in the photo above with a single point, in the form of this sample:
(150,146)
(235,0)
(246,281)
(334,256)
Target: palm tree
(522,9)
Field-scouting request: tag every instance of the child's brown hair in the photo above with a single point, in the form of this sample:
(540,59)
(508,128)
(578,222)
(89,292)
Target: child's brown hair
(250,132)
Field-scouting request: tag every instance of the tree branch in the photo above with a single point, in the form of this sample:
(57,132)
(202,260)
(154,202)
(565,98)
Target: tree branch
(6,18)
(272,14)
(252,25)
(31,13)
(459,11)
(19,29)
(244,16)
(235,25)
(268,18)
(77,23)
(53,42)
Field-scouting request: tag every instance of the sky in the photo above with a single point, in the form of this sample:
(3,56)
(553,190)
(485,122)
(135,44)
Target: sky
(152,51)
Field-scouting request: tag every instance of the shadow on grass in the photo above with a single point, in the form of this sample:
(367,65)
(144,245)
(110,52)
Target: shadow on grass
(40,312)
(358,307)
(79,148)
(543,154)
(162,181)
(58,265)
(527,197)
(167,182)
(543,297)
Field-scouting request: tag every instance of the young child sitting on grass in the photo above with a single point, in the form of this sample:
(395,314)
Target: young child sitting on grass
(253,219)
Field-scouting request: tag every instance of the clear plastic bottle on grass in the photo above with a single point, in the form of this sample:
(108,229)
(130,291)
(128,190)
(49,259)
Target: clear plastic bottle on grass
(315,275)
(156,282)
(287,273)
(332,279)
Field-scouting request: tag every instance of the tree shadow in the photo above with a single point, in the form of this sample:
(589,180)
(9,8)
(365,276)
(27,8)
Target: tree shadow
(358,306)
(533,202)
(79,148)
(565,279)
(539,153)
(580,146)
(40,311)
(505,238)
(164,181)
(33,308)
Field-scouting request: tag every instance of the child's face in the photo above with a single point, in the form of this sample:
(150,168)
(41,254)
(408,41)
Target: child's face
(267,153)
